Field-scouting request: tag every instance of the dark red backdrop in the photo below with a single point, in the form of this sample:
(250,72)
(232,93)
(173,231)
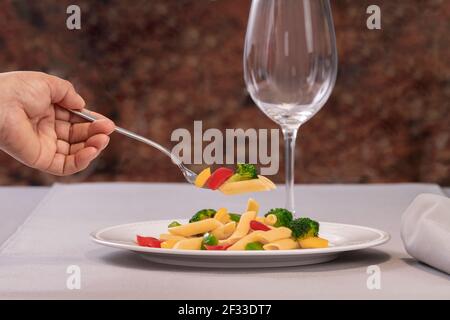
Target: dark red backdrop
(154,66)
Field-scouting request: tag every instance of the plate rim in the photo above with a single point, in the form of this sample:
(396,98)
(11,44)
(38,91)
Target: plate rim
(383,237)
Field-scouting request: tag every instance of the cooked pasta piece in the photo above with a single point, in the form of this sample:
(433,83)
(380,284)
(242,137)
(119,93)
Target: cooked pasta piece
(241,243)
(283,244)
(222,216)
(169,244)
(253,185)
(313,243)
(189,244)
(252,205)
(242,228)
(167,236)
(275,234)
(224,231)
(261,220)
(194,228)
(271,219)
(262,236)
(267,182)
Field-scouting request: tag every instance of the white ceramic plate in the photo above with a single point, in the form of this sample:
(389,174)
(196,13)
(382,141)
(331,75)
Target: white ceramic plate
(342,237)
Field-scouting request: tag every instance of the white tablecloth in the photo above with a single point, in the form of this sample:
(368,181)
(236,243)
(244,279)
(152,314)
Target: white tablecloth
(34,260)
(16,204)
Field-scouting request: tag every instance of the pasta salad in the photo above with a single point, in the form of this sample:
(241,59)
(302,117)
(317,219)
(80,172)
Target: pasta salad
(209,229)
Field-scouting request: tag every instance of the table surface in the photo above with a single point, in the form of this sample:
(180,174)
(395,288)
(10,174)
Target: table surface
(31,268)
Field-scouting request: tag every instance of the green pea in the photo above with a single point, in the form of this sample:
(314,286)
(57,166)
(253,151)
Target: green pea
(254,246)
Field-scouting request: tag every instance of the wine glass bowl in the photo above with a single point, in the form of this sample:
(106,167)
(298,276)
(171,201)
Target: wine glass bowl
(290,65)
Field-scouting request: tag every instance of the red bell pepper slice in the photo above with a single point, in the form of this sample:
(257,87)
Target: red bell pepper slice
(217,247)
(256,225)
(218,178)
(148,242)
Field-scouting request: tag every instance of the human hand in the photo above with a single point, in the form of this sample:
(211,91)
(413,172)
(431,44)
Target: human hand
(37,130)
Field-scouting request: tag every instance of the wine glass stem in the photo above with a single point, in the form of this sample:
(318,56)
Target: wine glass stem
(290,135)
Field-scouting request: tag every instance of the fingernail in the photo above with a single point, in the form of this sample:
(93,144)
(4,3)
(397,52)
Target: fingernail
(107,142)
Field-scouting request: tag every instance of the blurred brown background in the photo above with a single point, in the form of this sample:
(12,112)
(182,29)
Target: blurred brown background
(154,66)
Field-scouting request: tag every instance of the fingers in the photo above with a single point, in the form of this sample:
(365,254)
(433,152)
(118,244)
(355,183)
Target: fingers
(83,131)
(99,141)
(68,164)
(63,93)
(74,129)
(63,129)
(70,159)
(80,160)
(64,115)
(64,165)
(78,143)
(62,147)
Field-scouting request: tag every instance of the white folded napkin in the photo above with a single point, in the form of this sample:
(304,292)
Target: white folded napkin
(425,230)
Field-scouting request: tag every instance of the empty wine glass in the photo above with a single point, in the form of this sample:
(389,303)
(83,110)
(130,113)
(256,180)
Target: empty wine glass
(290,66)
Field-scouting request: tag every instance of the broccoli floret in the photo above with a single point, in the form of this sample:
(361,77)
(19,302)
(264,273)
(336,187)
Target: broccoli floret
(284,217)
(243,172)
(254,246)
(174,224)
(235,217)
(246,171)
(304,228)
(202,215)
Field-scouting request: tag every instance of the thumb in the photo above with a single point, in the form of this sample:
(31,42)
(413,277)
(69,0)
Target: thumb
(63,93)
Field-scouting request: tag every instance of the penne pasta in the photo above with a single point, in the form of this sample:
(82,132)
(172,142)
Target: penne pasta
(252,205)
(253,185)
(189,244)
(261,220)
(271,219)
(167,236)
(224,231)
(195,228)
(169,244)
(262,236)
(313,243)
(242,228)
(222,216)
(241,243)
(283,244)
(275,234)
(267,182)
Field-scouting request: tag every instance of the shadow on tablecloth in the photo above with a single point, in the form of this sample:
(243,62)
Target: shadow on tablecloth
(425,267)
(346,261)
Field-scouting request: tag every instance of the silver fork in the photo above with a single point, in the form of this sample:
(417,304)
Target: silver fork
(189,175)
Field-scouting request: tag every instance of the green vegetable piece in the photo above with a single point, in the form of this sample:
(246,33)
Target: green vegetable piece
(254,246)
(234,178)
(244,171)
(235,217)
(304,228)
(284,217)
(202,215)
(209,240)
(174,224)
